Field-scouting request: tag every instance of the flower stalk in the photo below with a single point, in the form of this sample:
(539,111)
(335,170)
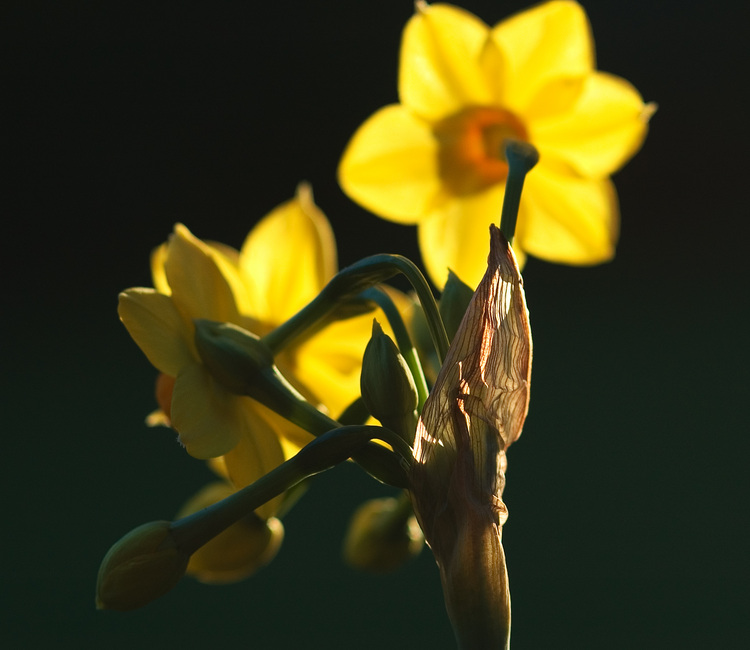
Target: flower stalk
(150,560)
(521,157)
(242,363)
(345,286)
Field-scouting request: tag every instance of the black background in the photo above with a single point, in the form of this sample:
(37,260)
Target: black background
(628,489)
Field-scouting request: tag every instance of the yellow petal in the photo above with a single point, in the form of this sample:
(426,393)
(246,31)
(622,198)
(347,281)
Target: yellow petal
(204,414)
(329,364)
(199,289)
(158,274)
(546,42)
(390,165)
(600,131)
(456,236)
(227,260)
(568,219)
(257,451)
(440,70)
(288,258)
(157,327)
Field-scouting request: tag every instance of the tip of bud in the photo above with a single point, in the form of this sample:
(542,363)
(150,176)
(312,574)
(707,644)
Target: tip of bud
(522,154)
(387,386)
(142,566)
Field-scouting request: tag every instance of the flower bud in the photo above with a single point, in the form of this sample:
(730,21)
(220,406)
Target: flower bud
(237,552)
(142,566)
(388,389)
(382,535)
(453,303)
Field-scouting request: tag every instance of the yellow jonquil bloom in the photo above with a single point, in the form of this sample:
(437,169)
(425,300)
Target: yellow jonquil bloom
(285,261)
(436,159)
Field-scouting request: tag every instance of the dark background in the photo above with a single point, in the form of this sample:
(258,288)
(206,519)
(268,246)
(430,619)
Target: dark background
(628,490)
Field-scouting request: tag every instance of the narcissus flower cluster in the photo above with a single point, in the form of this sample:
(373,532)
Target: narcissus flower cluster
(275,366)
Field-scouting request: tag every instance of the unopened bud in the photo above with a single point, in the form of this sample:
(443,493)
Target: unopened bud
(454,302)
(382,535)
(388,389)
(142,566)
(237,552)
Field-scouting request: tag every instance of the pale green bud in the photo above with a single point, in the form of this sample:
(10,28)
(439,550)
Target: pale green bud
(382,535)
(387,386)
(142,566)
(453,303)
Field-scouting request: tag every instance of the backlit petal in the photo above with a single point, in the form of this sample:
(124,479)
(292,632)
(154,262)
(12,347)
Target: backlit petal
(288,258)
(199,289)
(568,219)
(455,236)
(439,69)
(600,131)
(257,452)
(390,165)
(157,327)
(546,42)
(158,274)
(330,362)
(204,414)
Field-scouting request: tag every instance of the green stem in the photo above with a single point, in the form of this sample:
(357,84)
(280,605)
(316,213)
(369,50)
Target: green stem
(521,157)
(345,286)
(325,452)
(243,364)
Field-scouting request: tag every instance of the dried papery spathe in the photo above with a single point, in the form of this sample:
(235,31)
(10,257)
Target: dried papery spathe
(475,411)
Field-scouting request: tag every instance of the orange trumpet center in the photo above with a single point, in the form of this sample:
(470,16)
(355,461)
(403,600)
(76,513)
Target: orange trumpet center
(471,154)
(164,388)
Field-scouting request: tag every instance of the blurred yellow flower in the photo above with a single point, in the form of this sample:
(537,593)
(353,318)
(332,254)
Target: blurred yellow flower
(285,261)
(436,159)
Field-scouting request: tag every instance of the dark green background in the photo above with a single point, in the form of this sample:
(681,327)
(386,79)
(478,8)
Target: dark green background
(628,490)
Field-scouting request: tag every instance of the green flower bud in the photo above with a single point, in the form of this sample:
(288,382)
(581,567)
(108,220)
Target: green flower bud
(142,566)
(382,535)
(388,389)
(453,303)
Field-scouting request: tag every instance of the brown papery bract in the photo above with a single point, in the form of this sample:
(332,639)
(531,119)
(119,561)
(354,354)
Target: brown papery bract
(475,411)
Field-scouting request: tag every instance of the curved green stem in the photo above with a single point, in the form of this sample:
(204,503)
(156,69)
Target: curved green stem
(325,452)
(345,286)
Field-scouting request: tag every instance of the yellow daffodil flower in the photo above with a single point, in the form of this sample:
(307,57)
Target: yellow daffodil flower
(436,159)
(285,261)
